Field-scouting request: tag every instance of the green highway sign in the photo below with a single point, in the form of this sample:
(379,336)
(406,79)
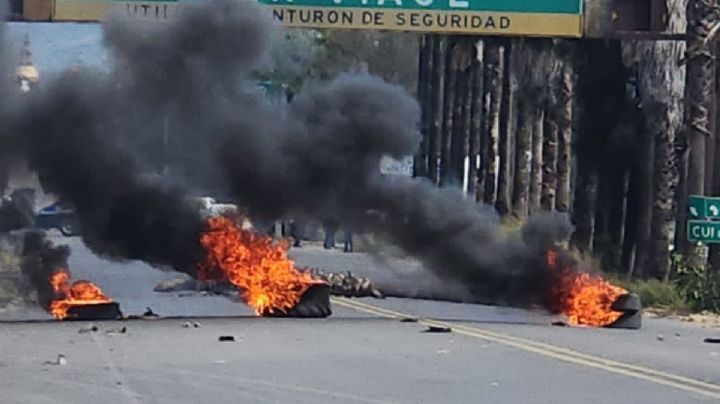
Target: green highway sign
(562,18)
(703,207)
(493,17)
(703,231)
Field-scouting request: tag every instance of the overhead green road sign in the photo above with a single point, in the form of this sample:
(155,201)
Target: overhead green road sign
(487,17)
(703,207)
(703,231)
(491,17)
(518,6)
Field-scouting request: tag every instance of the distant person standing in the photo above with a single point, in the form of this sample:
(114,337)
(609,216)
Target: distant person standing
(348,240)
(330,226)
(296,232)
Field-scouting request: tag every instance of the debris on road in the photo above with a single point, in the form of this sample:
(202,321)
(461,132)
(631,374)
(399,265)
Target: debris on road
(122,330)
(704,318)
(408,320)
(193,324)
(559,324)
(85,330)
(660,337)
(60,361)
(712,340)
(226,338)
(437,329)
(150,313)
(347,285)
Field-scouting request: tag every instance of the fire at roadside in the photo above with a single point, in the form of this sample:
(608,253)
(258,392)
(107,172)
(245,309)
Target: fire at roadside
(45,268)
(586,299)
(65,130)
(256,265)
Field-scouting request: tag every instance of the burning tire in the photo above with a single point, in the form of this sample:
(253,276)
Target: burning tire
(314,303)
(631,308)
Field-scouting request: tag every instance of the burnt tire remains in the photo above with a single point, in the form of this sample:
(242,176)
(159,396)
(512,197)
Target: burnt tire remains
(92,312)
(314,303)
(631,308)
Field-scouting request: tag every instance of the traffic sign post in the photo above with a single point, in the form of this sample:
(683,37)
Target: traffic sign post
(703,207)
(703,231)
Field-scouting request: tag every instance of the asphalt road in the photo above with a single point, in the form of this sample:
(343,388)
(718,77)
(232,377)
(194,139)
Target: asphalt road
(363,353)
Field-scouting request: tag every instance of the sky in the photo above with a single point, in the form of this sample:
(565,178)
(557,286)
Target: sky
(57,46)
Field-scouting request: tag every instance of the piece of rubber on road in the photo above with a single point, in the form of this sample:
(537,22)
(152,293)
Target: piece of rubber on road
(91,312)
(712,340)
(631,307)
(314,303)
(436,329)
(627,302)
(226,338)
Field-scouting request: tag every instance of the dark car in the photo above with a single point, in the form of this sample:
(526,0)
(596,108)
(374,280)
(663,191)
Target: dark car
(57,216)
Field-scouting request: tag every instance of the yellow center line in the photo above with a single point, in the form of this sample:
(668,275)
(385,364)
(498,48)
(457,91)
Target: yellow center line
(564,354)
(566,351)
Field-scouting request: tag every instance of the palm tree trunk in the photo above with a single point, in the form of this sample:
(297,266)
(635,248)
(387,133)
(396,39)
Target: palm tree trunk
(584,208)
(460,141)
(505,149)
(644,209)
(699,81)
(420,163)
(554,110)
(475,124)
(627,258)
(715,248)
(521,176)
(525,68)
(610,215)
(700,74)
(446,164)
(437,80)
(564,127)
(536,165)
(550,148)
(493,59)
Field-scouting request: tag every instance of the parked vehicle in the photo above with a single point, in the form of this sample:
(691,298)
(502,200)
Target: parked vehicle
(57,216)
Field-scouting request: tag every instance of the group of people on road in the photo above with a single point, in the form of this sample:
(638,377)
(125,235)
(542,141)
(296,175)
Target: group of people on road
(330,228)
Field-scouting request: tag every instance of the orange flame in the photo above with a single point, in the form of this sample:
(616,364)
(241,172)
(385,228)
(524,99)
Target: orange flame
(253,263)
(586,299)
(77,294)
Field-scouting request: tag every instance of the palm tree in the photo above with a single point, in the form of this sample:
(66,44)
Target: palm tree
(437,89)
(563,118)
(702,15)
(493,58)
(531,68)
(505,141)
(420,163)
(662,89)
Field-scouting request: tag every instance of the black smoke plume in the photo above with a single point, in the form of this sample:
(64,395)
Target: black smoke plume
(179,92)
(40,259)
(68,137)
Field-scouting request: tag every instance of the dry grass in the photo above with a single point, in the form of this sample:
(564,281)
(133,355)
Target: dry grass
(9,272)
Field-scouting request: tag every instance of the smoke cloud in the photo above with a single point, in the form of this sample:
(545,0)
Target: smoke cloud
(40,259)
(67,136)
(179,99)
